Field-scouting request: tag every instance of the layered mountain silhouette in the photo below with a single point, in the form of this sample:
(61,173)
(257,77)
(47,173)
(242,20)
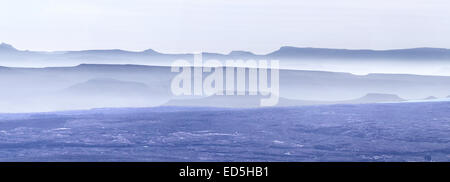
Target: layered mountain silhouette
(423,61)
(425,53)
(116,78)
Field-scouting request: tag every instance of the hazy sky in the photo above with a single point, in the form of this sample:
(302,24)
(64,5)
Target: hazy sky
(260,26)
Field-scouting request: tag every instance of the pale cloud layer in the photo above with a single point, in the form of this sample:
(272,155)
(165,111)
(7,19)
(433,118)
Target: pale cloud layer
(223,25)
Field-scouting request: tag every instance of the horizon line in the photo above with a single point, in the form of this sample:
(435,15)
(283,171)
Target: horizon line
(230,52)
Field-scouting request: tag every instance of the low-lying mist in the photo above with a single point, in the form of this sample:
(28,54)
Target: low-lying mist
(98,86)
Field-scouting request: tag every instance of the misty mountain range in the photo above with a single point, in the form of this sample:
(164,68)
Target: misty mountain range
(424,53)
(421,61)
(116,78)
(97,86)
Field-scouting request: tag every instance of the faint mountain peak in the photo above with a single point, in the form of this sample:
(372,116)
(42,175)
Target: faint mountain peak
(241,53)
(7,47)
(379,97)
(430,98)
(150,51)
(100,52)
(289,48)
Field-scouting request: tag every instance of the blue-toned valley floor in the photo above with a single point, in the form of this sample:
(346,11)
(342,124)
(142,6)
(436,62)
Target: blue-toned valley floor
(368,132)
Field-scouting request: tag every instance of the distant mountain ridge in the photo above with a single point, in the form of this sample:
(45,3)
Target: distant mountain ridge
(283,52)
(413,53)
(6,47)
(92,86)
